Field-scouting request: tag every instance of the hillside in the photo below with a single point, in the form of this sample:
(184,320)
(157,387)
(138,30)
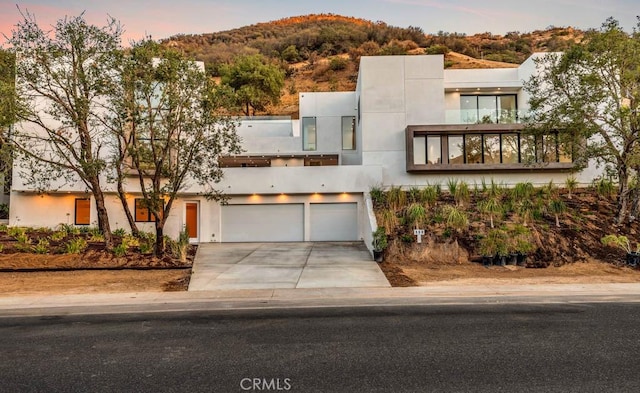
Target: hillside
(321,52)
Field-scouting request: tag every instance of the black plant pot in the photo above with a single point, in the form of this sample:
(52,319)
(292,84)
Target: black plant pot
(487,260)
(378,256)
(633,259)
(513,259)
(522,259)
(500,260)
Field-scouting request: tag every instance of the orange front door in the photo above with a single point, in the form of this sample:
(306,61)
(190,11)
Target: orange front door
(192,220)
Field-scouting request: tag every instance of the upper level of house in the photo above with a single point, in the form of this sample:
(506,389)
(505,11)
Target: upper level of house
(408,117)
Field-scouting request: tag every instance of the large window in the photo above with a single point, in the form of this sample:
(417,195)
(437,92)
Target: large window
(455,147)
(434,150)
(309,136)
(83,211)
(142,212)
(510,149)
(491,149)
(488,108)
(473,149)
(348,133)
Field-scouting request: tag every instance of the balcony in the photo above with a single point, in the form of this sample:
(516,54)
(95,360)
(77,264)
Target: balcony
(504,116)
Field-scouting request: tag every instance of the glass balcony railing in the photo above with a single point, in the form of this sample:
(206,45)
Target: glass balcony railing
(485,116)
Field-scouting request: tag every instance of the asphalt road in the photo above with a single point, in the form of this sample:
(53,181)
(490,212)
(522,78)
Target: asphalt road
(485,348)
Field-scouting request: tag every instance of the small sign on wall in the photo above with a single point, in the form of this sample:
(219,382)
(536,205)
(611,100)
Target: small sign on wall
(419,233)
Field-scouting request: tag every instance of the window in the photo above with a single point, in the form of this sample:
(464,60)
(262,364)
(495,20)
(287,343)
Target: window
(527,149)
(309,136)
(420,150)
(348,133)
(491,149)
(484,149)
(83,211)
(549,148)
(456,149)
(488,109)
(510,149)
(434,150)
(473,149)
(142,212)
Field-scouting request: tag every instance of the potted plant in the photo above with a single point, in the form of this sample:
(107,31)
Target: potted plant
(622,242)
(503,251)
(488,250)
(524,247)
(379,244)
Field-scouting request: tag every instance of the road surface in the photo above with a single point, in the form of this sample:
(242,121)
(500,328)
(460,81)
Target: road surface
(480,348)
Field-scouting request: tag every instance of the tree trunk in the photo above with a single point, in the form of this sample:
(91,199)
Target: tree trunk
(623,197)
(159,246)
(557,221)
(103,217)
(127,211)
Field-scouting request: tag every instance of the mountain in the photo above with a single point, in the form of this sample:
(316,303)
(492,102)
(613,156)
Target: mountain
(320,52)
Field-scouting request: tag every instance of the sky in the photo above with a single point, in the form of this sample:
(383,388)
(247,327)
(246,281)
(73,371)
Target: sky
(164,18)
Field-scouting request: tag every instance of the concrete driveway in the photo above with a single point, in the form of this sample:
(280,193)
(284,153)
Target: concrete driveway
(284,265)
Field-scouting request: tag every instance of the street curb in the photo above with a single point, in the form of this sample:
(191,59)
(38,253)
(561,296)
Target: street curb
(230,300)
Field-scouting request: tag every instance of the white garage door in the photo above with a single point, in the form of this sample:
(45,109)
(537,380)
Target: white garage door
(263,223)
(334,221)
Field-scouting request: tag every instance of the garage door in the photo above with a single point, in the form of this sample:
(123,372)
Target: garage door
(263,223)
(334,221)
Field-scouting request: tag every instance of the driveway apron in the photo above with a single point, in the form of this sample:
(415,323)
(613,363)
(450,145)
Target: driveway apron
(284,265)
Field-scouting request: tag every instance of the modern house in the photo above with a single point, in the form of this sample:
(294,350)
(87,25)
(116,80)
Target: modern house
(409,123)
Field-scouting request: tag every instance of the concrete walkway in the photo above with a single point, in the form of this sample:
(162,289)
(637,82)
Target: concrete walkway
(284,265)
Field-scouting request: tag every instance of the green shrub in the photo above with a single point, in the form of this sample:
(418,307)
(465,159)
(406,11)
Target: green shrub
(396,198)
(380,241)
(69,229)
(3,227)
(377,196)
(436,49)
(146,247)
(389,220)
(130,241)
(42,247)
(430,194)
(76,246)
(23,238)
(605,187)
(522,190)
(16,231)
(455,218)
(1,247)
(461,194)
(571,184)
(120,232)
(181,246)
(416,215)
(120,250)
(620,241)
(406,238)
(414,195)
(338,64)
(4,211)
(452,186)
(57,236)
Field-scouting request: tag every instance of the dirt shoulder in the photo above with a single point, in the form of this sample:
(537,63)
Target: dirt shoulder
(83,281)
(415,274)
